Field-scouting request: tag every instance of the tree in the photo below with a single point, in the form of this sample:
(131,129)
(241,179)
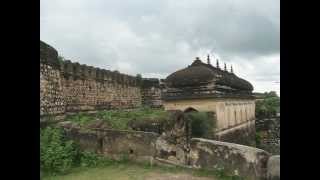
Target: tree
(61,59)
(139,76)
(269,106)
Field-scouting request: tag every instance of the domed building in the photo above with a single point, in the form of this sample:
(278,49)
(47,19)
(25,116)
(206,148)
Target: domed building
(205,88)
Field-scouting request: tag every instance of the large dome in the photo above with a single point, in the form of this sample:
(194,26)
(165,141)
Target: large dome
(194,75)
(199,73)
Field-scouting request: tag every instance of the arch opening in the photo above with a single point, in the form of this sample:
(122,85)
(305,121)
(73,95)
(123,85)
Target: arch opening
(190,109)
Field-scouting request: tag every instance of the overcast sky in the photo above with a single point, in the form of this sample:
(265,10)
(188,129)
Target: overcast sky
(155,38)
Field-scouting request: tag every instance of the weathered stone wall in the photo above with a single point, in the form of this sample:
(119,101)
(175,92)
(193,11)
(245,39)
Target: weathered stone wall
(116,144)
(51,95)
(234,159)
(274,168)
(67,86)
(268,130)
(151,92)
(88,88)
(136,145)
(242,134)
(174,147)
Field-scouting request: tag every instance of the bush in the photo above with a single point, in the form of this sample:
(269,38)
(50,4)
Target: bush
(202,124)
(258,139)
(56,153)
(90,159)
(80,118)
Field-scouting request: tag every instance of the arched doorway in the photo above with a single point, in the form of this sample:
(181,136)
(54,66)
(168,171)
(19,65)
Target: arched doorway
(190,109)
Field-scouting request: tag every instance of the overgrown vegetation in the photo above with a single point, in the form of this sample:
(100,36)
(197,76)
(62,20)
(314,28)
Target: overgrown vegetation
(146,119)
(124,119)
(58,154)
(258,139)
(269,106)
(202,124)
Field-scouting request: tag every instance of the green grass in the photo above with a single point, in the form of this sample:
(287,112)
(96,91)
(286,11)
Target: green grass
(132,171)
(119,119)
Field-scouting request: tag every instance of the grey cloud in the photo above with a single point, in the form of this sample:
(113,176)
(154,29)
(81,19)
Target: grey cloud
(159,37)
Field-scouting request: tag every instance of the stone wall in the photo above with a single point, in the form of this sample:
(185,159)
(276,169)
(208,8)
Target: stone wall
(151,92)
(116,144)
(274,168)
(67,86)
(174,146)
(241,134)
(268,130)
(178,148)
(87,88)
(234,159)
(51,95)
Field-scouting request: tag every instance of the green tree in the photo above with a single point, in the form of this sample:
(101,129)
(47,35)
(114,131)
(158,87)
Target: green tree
(139,76)
(269,106)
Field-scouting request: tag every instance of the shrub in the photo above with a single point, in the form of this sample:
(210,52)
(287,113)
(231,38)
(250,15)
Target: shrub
(80,118)
(56,153)
(258,138)
(202,124)
(145,116)
(90,159)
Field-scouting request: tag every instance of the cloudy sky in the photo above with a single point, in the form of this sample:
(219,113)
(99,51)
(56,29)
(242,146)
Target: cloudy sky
(155,38)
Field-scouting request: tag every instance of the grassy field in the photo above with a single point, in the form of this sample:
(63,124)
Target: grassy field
(132,171)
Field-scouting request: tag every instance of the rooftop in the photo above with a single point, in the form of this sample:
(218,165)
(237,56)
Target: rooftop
(201,79)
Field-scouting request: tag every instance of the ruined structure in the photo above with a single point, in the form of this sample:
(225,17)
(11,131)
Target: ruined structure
(67,87)
(173,147)
(72,87)
(203,87)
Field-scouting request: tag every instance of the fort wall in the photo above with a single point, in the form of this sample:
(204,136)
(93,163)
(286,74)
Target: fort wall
(67,86)
(86,88)
(51,92)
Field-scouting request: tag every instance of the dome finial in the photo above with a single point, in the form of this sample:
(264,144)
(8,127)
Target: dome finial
(208,59)
(225,67)
(218,64)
